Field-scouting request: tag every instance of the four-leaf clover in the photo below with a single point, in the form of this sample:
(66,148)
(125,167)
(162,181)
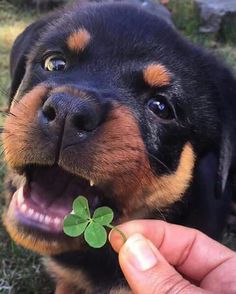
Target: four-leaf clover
(80,221)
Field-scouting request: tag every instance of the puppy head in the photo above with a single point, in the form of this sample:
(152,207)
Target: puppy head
(108,102)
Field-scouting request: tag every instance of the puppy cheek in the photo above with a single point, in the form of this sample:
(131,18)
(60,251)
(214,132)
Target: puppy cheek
(169,189)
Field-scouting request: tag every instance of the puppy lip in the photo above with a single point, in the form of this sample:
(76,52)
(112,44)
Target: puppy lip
(30,215)
(46,198)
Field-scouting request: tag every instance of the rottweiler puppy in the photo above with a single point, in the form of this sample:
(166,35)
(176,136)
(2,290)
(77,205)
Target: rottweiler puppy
(110,102)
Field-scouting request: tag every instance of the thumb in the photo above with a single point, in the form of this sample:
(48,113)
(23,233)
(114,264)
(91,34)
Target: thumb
(147,271)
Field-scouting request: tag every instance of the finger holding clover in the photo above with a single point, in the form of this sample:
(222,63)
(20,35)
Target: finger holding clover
(159,257)
(155,256)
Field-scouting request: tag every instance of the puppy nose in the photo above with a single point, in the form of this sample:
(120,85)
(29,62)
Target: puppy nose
(84,115)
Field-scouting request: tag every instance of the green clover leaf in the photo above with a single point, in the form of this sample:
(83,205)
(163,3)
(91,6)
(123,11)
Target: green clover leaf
(80,221)
(103,215)
(95,235)
(74,225)
(81,207)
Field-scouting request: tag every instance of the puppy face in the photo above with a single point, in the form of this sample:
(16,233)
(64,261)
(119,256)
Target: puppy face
(114,105)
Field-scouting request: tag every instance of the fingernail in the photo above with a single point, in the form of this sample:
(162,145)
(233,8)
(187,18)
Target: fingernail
(139,253)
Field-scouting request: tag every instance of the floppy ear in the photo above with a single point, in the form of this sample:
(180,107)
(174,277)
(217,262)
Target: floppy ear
(226,86)
(21,47)
(206,211)
(225,160)
(213,185)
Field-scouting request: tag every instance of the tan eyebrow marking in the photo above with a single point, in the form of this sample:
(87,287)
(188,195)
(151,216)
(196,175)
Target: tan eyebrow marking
(77,41)
(156,75)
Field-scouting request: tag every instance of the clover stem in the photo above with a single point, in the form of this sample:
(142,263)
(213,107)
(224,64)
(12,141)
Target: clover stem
(119,231)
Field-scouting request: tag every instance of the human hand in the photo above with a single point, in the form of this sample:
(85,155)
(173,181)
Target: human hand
(159,257)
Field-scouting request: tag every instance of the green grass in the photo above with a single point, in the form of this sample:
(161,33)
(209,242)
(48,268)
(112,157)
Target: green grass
(228,54)
(21,270)
(186,18)
(12,24)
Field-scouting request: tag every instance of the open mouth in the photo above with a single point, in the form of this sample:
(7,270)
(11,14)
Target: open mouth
(47,196)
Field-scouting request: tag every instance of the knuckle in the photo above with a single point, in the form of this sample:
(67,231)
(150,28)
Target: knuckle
(183,287)
(171,284)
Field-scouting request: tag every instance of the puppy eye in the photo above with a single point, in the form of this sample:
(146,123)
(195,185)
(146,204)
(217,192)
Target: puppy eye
(54,63)
(161,108)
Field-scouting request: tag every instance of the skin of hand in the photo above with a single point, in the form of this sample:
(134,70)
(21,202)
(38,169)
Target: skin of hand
(159,257)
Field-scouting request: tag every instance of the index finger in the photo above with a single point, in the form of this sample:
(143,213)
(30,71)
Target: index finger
(188,250)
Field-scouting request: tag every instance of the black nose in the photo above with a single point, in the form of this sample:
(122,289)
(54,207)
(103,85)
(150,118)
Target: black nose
(82,114)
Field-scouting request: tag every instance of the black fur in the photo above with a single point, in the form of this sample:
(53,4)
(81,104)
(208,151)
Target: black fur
(202,93)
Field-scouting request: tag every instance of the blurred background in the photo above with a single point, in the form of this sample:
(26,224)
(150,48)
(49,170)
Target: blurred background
(210,23)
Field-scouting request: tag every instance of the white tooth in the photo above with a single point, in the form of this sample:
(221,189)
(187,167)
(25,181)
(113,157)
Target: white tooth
(20,196)
(57,221)
(23,207)
(36,216)
(41,218)
(91,183)
(30,212)
(47,220)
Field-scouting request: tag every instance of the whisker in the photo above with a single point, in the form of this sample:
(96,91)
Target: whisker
(6,112)
(1,153)
(4,92)
(11,114)
(158,160)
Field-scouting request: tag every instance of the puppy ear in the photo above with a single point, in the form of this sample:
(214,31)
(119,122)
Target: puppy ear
(21,47)
(213,178)
(225,161)
(226,86)
(205,211)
